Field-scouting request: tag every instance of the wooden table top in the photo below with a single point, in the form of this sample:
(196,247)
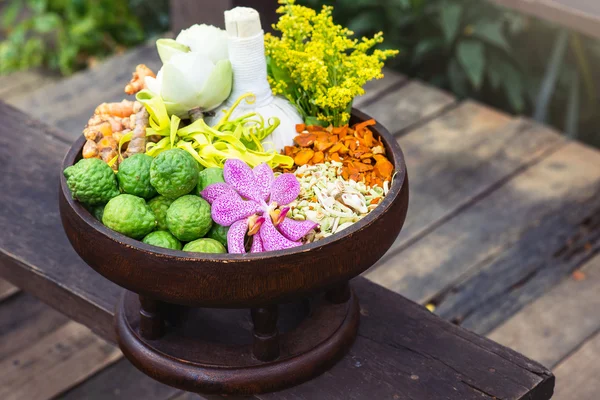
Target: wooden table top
(502,211)
(580,15)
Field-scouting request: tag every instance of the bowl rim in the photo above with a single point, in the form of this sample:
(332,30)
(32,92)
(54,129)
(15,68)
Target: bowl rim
(398,182)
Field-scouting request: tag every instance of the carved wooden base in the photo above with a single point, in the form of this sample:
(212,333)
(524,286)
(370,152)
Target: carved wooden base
(220,351)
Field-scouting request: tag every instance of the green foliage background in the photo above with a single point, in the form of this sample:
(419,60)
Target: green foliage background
(478,50)
(65,35)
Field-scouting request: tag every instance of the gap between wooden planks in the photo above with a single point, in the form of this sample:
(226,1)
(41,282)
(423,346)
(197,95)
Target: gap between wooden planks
(561,330)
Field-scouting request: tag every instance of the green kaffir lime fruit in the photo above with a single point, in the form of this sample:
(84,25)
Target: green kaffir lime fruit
(159,206)
(188,218)
(174,173)
(208,177)
(129,215)
(134,176)
(91,181)
(219,233)
(205,246)
(162,239)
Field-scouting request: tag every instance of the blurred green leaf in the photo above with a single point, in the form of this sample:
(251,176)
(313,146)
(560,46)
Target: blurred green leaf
(46,22)
(458,79)
(491,32)
(10,13)
(471,55)
(450,16)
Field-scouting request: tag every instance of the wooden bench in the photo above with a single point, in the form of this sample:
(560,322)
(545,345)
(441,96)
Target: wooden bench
(403,351)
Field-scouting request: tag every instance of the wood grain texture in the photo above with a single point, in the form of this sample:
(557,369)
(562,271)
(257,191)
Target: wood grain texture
(480,234)
(69,103)
(376,89)
(55,363)
(19,84)
(554,325)
(35,254)
(540,259)
(444,181)
(580,15)
(120,381)
(7,290)
(25,320)
(579,375)
(411,104)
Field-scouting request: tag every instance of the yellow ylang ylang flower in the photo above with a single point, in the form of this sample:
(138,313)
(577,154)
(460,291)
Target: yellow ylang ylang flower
(318,65)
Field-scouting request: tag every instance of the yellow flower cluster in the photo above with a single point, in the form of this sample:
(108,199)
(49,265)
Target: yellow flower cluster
(318,65)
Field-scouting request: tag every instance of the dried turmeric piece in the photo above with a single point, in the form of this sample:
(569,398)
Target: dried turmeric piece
(138,81)
(90,150)
(304,156)
(138,139)
(317,158)
(305,140)
(122,109)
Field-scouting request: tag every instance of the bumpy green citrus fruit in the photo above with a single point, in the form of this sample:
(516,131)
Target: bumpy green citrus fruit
(159,206)
(162,239)
(219,233)
(91,181)
(188,218)
(134,176)
(174,173)
(205,246)
(129,215)
(208,177)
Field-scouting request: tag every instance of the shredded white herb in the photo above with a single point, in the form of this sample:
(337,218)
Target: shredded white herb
(331,201)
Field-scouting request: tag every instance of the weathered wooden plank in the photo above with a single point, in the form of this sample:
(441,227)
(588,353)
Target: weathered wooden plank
(580,15)
(120,381)
(376,89)
(7,290)
(25,320)
(69,103)
(444,181)
(35,253)
(478,235)
(579,375)
(538,261)
(55,363)
(554,325)
(18,84)
(410,105)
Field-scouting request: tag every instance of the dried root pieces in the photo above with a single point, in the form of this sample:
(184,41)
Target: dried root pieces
(362,155)
(138,81)
(108,125)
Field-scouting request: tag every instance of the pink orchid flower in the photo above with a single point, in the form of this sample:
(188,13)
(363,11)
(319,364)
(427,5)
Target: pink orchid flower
(253,202)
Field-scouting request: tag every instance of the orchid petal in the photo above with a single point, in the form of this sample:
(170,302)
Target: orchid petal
(230,207)
(296,230)
(236,237)
(213,191)
(272,240)
(285,189)
(239,175)
(264,179)
(257,246)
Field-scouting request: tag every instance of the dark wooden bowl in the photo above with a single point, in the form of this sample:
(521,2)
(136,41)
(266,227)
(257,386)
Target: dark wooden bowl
(238,281)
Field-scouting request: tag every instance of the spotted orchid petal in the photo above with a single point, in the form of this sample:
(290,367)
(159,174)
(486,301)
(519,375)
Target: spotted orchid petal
(285,189)
(272,240)
(236,237)
(239,175)
(295,230)
(257,246)
(213,191)
(230,207)
(264,177)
